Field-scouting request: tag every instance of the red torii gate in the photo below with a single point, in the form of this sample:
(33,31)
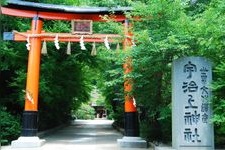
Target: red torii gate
(40,12)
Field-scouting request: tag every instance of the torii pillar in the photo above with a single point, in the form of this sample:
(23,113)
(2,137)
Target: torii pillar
(131,137)
(29,136)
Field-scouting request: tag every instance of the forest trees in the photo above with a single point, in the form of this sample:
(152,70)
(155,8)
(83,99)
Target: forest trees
(166,30)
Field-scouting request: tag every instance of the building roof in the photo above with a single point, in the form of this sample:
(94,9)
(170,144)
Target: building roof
(20,4)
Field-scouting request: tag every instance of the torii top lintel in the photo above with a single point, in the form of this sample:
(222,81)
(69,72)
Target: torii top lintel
(61,12)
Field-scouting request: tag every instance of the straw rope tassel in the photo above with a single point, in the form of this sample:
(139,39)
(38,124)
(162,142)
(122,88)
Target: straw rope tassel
(68,50)
(44,48)
(93,51)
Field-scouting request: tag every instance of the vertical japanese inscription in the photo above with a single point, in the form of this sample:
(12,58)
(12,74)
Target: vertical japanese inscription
(191,114)
(204,95)
(191,104)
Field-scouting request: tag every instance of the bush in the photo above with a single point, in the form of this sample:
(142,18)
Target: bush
(85,112)
(10,127)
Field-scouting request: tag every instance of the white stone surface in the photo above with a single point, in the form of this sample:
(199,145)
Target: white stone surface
(132,142)
(191,110)
(27,142)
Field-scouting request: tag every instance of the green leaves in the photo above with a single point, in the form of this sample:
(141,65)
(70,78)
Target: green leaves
(84,112)
(169,30)
(9,125)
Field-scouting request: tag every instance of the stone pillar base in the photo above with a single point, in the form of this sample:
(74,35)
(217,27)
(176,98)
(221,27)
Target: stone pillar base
(132,142)
(27,142)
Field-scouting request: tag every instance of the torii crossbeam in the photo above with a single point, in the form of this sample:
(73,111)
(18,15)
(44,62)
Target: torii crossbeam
(40,12)
(62,37)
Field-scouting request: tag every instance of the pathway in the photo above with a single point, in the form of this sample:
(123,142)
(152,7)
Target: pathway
(83,135)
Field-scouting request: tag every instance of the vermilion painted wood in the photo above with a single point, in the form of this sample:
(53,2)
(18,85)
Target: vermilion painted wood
(66,37)
(34,54)
(33,69)
(129,105)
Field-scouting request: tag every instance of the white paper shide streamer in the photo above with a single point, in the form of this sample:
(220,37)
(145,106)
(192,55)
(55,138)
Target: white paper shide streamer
(106,41)
(56,41)
(134,102)
(82,46)
(28,43)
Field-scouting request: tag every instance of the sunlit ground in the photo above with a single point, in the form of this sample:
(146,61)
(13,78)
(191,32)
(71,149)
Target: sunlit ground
(95,134)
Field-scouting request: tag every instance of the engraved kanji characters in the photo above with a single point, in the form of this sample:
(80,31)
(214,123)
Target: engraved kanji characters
(191,115)
(190,136)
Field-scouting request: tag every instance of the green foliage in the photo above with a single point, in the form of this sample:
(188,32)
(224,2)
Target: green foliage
(159,42)
(65,83)
(218,87)
(84,112)
(111,3)
(3,2)
(67,2)
(117,113)
(210,32)
(167,30)
(108,3)
(97,97)
(111,83)
(9,125)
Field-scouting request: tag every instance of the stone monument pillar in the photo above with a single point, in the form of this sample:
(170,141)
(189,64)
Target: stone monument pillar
(191,104)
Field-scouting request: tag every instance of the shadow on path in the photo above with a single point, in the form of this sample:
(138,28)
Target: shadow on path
(83,135)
